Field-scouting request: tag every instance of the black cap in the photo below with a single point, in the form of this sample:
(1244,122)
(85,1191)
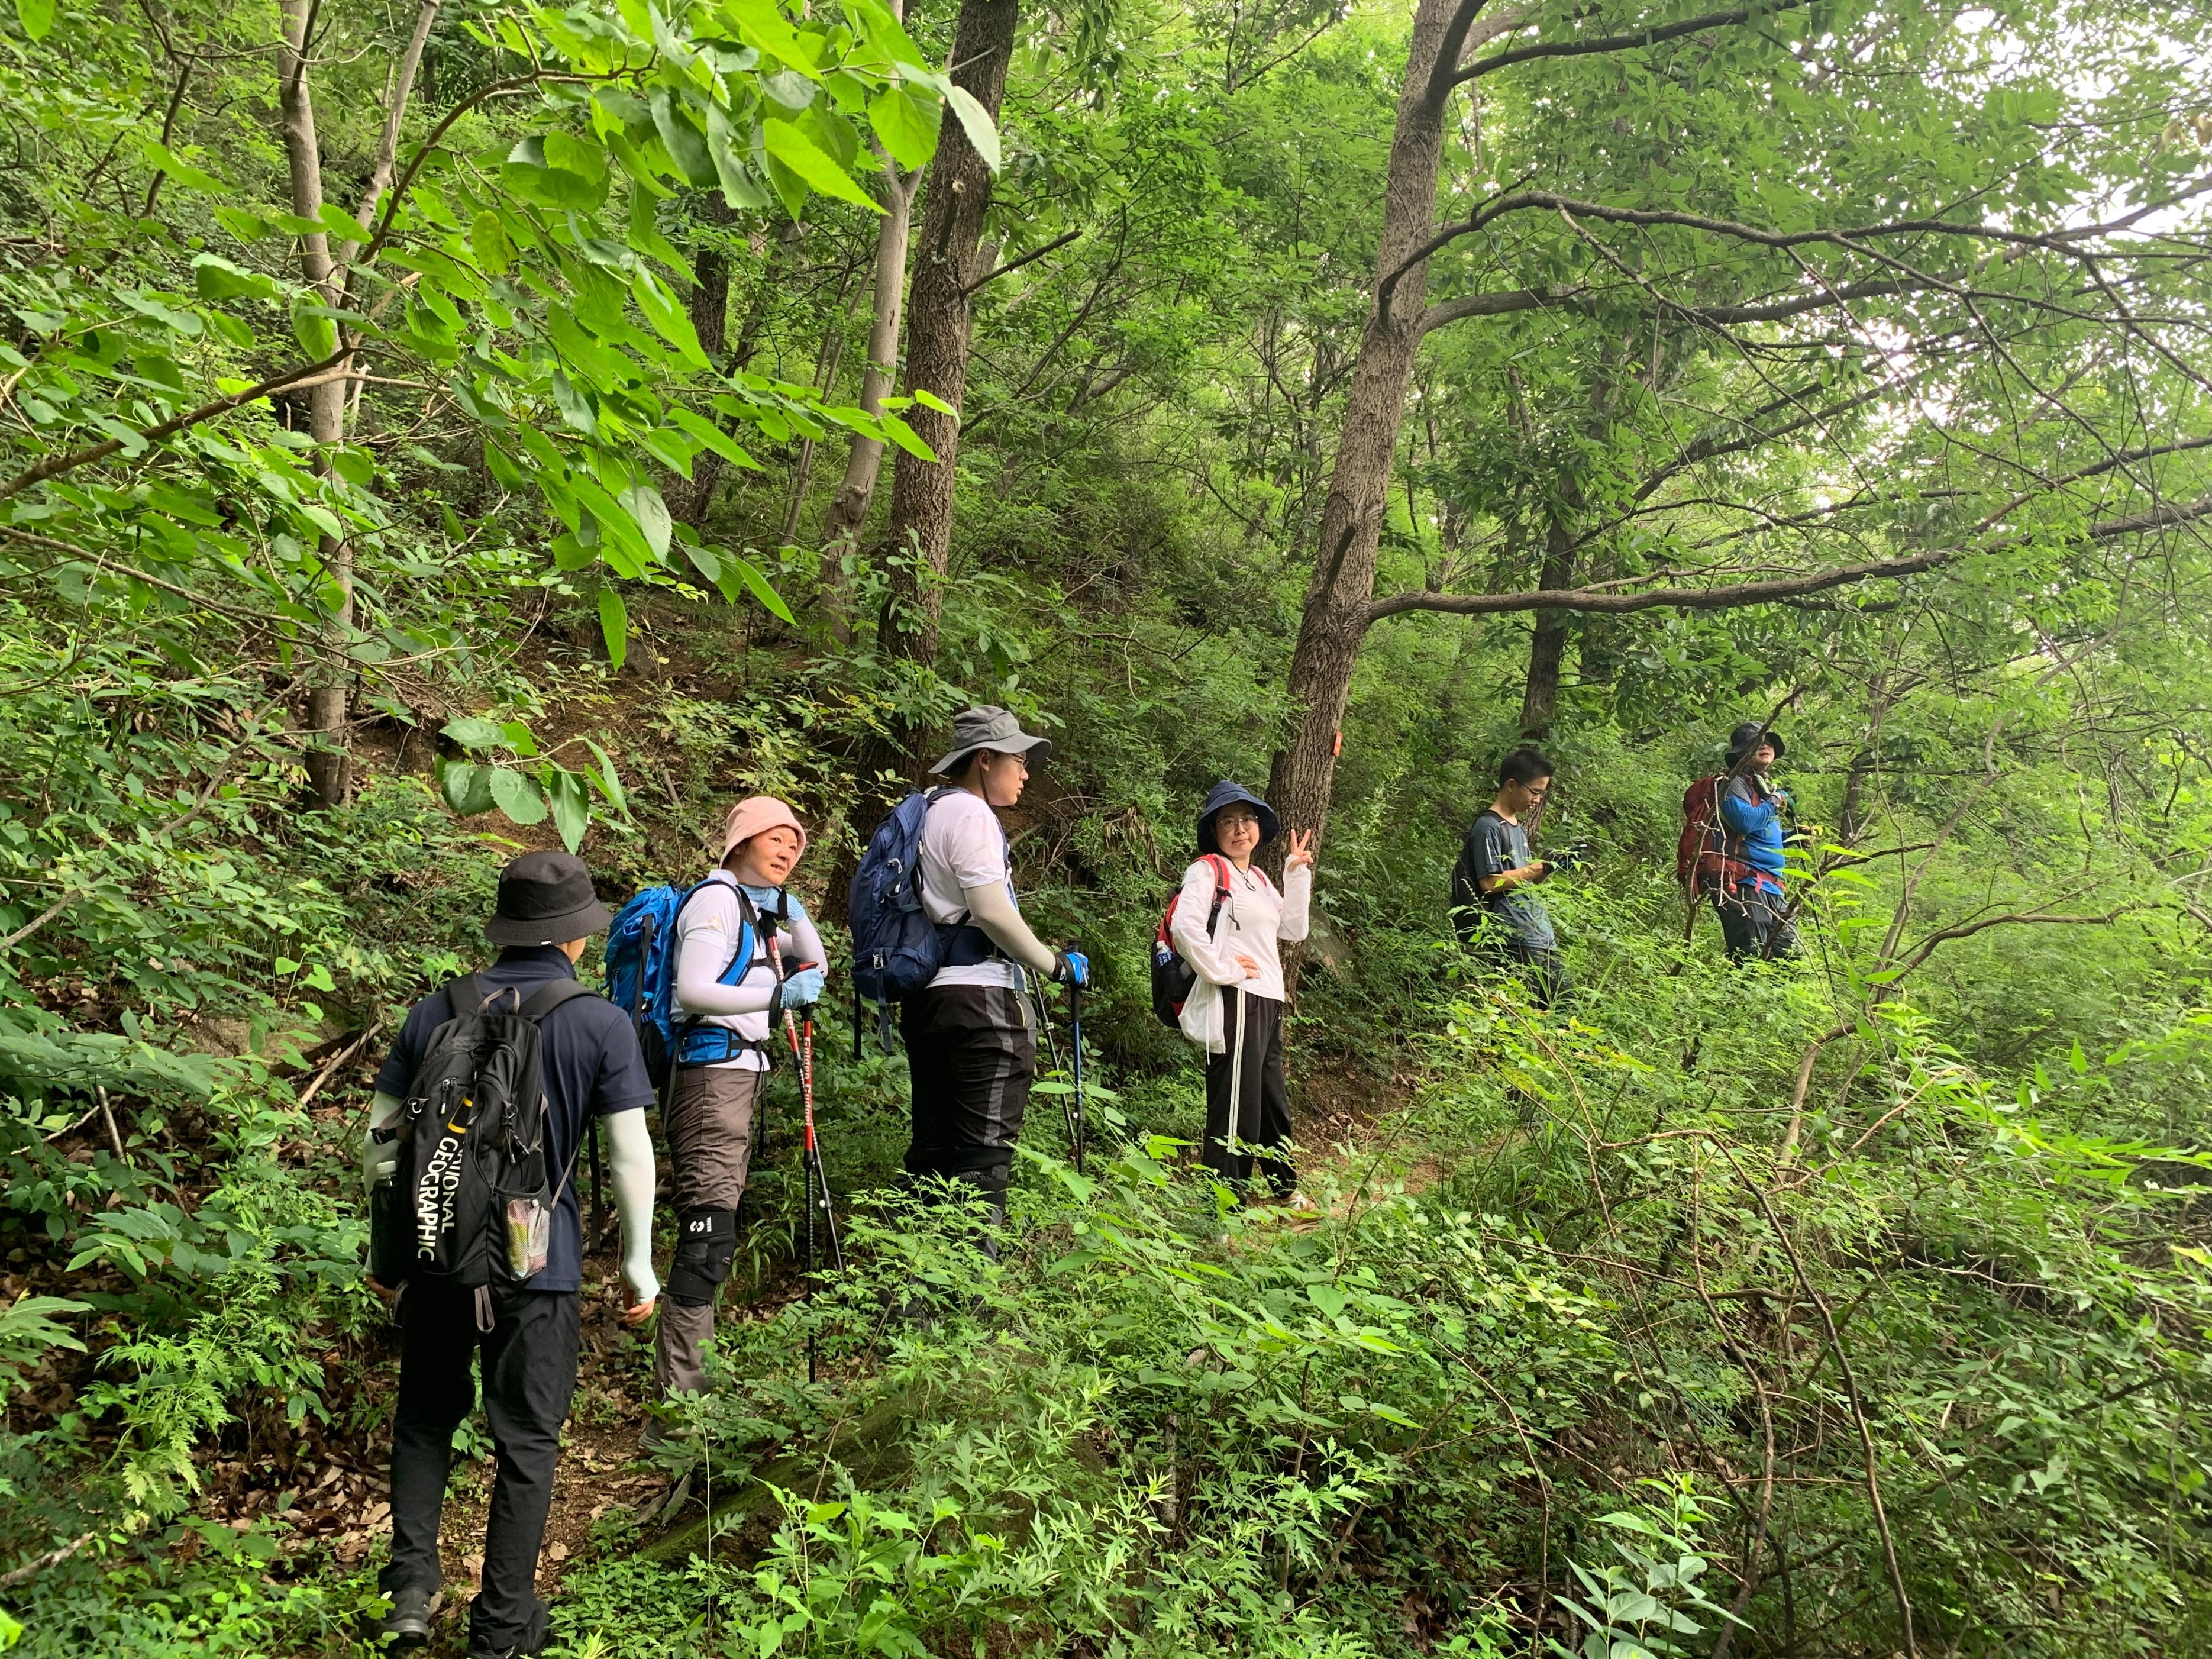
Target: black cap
(1748,736)
(546,898)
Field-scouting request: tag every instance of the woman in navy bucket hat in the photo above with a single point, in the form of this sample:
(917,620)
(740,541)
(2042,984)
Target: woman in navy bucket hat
(1234,1010)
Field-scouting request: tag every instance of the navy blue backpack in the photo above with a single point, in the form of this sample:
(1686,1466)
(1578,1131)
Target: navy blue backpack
(896,948)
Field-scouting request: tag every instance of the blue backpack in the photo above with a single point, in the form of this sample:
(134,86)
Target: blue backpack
(641,970)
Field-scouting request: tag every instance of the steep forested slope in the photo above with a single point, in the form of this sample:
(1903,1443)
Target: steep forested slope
(441,432)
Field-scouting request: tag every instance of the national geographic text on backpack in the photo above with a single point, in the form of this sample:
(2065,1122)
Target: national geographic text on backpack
(468,1205)
(1174,979)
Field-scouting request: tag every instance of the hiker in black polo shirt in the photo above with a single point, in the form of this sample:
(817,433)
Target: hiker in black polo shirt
(526,1320)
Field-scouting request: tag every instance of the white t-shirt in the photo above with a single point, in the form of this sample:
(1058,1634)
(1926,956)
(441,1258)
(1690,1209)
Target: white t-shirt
(963,846)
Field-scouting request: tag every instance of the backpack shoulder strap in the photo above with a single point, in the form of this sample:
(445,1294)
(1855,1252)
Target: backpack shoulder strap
(548,997)
(464,995)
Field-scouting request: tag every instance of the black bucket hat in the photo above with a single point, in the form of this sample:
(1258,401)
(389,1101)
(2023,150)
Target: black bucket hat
(546,898)
(1226,794)
(1748,736)
(987,727)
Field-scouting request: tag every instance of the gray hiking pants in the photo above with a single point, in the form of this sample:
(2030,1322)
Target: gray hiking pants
(708,1126)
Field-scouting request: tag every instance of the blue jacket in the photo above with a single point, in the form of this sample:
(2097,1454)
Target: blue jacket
(1756,820)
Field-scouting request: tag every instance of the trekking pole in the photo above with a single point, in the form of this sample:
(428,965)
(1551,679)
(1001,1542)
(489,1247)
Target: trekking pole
(1075,1039)
(816,1183)
(1236,1075)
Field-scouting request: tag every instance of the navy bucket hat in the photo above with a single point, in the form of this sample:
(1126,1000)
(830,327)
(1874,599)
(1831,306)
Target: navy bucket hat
(1225,794)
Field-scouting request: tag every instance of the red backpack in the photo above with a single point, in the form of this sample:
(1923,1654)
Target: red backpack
(1705,858)
(1174,979)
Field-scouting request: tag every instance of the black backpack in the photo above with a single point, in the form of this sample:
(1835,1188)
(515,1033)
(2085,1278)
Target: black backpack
(469,1204)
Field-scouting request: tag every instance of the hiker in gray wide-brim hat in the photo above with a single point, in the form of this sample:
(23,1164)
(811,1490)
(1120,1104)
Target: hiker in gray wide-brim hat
(970,1043)
(985,726)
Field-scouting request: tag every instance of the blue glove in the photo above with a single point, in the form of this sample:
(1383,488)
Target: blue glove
(1075,968)
(802,989)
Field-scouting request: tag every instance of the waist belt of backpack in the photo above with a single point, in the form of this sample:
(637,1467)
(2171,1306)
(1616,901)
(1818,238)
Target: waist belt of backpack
(734,1044)
(967,945)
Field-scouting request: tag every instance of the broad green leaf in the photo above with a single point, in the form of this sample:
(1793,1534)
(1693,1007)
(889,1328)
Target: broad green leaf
(645,235)
(650,513)
(610,781)
(466,786)
(217,280)
(614,626)
(669,317)
(788,145)
(572,808)
(474,732)
(37,17)
(681,137)
(739,188)
(761,24)
(982,132)
(905,125)
(749,574)
(516,796)
(713,438)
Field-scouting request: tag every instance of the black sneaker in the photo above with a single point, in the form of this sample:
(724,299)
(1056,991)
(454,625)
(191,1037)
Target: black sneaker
(407,1624)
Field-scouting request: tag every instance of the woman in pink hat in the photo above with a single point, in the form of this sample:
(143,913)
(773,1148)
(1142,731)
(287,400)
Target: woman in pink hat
(726,983)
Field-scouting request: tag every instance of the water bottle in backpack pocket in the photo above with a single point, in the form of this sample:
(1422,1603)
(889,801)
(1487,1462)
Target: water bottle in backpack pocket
(1174,979)
(470,1204)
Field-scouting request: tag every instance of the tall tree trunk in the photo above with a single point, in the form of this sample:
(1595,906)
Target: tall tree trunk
(709,306)
(1343,582)
(326,697)
(1548,646)
(848,509)
(326,405)
(938,324)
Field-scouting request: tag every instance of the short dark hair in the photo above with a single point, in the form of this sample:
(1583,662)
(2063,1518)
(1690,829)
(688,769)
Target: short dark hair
(1525,765)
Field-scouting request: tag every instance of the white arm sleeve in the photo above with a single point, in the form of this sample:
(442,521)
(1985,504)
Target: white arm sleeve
(629,1171)
(380,1159)
(801,946)
(708,935)
(993,910)
(1298,903)
(1192,942)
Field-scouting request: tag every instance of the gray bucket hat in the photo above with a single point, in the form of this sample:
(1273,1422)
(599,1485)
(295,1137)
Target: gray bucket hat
(988,727)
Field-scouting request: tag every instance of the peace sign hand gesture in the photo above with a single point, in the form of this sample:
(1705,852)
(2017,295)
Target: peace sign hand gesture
(1302,855)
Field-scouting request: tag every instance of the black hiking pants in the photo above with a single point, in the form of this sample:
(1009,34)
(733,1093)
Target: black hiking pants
(970,1056)
(529,1366)
(1263,1115)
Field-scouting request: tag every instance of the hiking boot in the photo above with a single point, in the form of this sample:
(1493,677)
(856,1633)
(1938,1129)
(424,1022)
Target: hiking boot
(407,1624)
(537,1636)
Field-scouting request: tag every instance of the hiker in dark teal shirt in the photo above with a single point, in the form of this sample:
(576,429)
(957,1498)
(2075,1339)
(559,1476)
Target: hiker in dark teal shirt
(1495,909)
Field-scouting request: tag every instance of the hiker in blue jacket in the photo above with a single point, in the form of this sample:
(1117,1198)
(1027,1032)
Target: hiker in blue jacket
(1754,911)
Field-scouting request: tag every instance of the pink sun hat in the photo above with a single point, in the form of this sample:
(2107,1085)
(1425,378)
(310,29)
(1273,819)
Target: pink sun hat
(756,813)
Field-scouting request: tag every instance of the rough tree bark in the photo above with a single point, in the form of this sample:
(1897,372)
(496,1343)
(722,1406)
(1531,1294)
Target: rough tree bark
(327,698)
(1336,604)
(938,319)
(848,508)
(1548,646)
